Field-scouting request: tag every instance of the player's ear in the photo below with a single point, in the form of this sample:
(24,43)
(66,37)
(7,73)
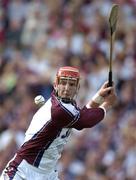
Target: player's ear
(55,86)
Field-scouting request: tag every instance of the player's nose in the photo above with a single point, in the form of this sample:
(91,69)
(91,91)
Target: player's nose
(67,86)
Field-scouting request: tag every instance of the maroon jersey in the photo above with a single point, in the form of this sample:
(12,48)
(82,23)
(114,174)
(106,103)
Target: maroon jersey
(49,131)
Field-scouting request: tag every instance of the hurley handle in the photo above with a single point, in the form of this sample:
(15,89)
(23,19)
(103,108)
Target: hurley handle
(110,79)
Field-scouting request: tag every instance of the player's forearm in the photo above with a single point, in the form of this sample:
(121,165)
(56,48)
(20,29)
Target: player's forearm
(95,102)
(92,104)
(106,106)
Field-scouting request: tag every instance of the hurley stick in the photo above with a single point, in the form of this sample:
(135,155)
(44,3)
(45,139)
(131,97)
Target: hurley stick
(112,22)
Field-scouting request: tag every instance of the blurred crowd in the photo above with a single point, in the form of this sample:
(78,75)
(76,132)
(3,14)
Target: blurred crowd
(39,36)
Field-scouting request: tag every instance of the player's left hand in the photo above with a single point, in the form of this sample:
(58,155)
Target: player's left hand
(106,91)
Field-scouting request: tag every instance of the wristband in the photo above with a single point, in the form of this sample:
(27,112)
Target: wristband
(98,99)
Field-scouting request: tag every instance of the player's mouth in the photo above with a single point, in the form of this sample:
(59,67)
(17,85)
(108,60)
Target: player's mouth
(66,94)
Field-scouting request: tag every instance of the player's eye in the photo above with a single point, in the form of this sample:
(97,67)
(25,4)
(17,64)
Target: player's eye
(72,83)
(63,82)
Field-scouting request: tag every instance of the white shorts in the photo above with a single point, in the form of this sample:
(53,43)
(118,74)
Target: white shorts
(27,172)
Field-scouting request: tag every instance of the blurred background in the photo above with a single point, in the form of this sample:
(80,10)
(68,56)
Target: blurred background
(39,36)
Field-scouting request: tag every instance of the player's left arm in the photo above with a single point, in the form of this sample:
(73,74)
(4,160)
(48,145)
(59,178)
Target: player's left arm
(95,111)
(103,95)
(89,117)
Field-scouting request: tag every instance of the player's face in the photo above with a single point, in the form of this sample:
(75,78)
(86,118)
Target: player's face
(67,88)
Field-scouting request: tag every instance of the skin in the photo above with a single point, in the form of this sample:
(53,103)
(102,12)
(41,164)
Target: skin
(67,88)
(109,95)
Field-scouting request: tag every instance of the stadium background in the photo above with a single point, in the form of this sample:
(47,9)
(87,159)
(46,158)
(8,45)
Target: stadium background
(36,38)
